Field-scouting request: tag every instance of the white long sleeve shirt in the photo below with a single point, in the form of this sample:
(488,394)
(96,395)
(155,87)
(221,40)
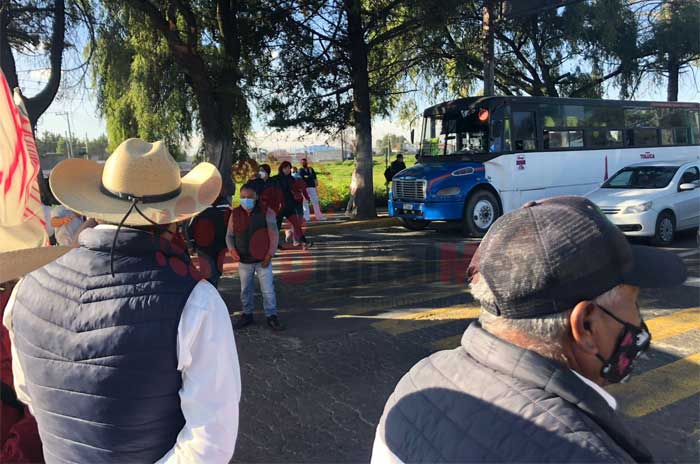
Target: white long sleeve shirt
(211,381)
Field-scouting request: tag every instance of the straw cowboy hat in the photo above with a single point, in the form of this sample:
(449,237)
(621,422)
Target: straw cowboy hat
(140,184)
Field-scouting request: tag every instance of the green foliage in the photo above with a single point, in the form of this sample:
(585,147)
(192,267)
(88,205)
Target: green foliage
(49,142)
(672,41)
(392,141)
(334,182)
(140,91)
(61,146)
(570,51)
(311,84)
(167,70)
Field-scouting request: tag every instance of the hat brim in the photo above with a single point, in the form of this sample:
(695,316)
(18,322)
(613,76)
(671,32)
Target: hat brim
(76,184)
(655,268)
(15,264)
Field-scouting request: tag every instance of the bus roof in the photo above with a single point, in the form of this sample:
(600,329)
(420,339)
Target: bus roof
(459,104)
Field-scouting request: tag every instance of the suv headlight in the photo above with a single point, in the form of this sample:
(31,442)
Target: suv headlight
(448,192)
(640,208)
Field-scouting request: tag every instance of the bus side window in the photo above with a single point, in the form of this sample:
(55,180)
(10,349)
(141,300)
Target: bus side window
(524,130)
(507,146)
(695,127)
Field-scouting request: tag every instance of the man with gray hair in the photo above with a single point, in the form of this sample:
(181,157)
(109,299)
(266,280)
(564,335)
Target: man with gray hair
(558,286)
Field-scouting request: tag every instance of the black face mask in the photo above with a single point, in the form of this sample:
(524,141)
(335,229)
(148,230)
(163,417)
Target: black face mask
(632,342)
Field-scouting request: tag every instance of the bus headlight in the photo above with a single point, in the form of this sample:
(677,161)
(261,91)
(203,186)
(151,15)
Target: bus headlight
(640,208)
(448,192)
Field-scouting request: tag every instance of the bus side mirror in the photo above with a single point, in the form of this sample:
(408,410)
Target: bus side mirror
(413,132)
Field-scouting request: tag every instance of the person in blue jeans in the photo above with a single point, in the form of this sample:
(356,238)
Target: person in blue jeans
(252,239)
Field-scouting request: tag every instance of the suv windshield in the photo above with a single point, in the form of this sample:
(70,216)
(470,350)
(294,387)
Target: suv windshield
(454,135)
(646,177)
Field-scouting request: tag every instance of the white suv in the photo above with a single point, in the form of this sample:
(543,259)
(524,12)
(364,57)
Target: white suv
(652,199)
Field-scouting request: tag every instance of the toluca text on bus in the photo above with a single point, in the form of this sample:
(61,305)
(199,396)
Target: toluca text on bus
(481,157)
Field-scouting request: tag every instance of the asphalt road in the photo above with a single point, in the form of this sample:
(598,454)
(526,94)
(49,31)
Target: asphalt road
(363,306)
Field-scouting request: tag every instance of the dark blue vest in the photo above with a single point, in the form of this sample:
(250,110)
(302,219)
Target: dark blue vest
(100,352)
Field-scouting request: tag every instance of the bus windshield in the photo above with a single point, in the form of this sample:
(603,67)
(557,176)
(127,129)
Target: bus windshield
(647,177)
(445,135)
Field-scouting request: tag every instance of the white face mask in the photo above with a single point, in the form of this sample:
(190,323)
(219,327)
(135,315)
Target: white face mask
(263,174)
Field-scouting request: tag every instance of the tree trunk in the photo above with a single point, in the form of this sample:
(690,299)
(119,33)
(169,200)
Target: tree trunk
(673,70)
(489,50)
(217,134)
(37,105)
(7,61)
(362,116)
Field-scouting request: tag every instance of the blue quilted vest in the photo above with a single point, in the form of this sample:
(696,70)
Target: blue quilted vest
(100,352)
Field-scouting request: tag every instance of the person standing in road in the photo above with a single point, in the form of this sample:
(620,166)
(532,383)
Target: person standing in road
(114,339)
(265,187)
(252,238)
(309,175)
(559,288)
(396,167)
(292,196)
(351,208)
(208,230)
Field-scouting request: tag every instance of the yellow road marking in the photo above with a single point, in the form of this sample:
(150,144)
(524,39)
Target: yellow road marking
(661,328)
(674,324)
(660,387)
(406,300)
(410,322)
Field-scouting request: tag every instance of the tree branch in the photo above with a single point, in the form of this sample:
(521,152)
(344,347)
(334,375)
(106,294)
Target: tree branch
(596,82)
(38,104)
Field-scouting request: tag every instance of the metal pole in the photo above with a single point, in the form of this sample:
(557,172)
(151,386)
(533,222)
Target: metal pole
(489,49)
(70,136)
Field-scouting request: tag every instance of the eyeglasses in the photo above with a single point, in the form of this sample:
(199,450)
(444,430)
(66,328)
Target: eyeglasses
(643,335)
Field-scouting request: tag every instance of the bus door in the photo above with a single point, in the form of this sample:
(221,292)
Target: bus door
(530,166)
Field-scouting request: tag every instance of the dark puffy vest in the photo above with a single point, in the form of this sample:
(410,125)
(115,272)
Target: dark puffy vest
(100,352)
(250,234)
(490,401)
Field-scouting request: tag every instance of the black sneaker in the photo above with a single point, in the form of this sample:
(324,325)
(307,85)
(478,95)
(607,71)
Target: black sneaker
(244,320)
(275,324)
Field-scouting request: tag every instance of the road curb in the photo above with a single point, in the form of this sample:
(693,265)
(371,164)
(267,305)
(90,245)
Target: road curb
(354,225)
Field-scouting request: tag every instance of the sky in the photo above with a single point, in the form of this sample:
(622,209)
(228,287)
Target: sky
(80,106)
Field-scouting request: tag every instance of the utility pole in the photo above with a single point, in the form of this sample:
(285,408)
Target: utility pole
(489,47)
(70,134)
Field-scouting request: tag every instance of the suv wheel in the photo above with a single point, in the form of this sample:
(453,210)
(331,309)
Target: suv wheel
(665,229)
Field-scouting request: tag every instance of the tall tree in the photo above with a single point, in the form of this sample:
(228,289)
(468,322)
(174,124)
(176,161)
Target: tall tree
(570,51)
(671,38)
(168,66)
(337,68)
(23,25)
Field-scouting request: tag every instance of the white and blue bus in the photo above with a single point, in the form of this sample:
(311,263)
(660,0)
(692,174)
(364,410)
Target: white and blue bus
(481,157)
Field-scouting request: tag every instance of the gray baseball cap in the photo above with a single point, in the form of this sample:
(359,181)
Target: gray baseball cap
(549,255)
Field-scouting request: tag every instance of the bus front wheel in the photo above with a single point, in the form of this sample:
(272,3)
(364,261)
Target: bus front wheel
(414,224)
(480,212)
